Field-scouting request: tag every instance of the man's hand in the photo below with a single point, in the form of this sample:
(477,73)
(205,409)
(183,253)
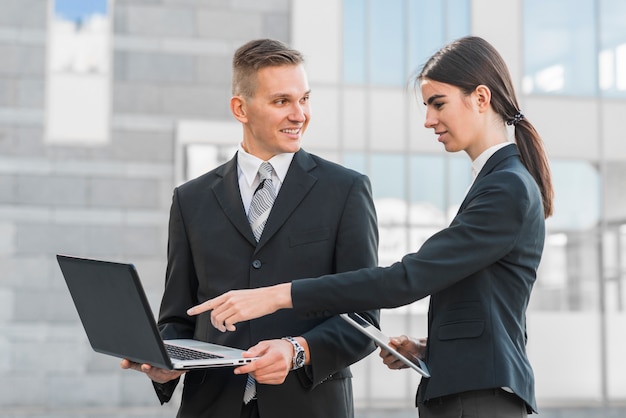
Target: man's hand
(274,362)
(243,305)
(154,373)
(409,347)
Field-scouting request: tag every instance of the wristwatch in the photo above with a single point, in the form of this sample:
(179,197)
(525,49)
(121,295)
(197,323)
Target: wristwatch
(299,356)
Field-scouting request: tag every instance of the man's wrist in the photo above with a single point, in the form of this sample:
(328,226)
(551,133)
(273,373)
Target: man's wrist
(300,355)
(307,354)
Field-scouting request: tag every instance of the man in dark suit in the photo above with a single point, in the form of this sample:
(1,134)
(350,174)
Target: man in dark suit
(322,221)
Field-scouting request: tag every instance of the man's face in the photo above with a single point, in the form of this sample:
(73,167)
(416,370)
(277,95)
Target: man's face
(276,117)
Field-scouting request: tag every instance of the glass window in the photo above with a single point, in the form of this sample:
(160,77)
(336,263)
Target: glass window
(575,210)
(438,184)
(612,59)
(457,19)
(428,191)
(389,188)
(78,72)
(426,31)
(355,161)
(383,41)
(560,44)
(615,268)
(388,176)
(387,65)
(434,23)
(559,47)
(354,41)
(569,265)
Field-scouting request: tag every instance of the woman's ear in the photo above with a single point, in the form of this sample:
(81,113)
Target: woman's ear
(238,108)
(483,97)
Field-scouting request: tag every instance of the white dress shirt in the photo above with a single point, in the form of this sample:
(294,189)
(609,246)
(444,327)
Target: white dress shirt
(248,168)
(482,159)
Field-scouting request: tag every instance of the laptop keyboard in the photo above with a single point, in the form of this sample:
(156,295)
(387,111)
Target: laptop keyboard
(182,353)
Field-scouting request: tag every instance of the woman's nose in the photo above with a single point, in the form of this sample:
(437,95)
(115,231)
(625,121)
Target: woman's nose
(429,121)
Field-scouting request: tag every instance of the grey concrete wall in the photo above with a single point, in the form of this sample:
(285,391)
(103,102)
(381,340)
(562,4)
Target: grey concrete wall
(171,60)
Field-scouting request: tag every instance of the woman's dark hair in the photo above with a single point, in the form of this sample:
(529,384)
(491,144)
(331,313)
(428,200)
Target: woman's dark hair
(471,61)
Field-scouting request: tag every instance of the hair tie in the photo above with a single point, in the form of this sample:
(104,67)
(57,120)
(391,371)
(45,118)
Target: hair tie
(515,120)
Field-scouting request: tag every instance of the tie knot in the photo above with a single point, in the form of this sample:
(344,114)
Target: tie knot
(265,171)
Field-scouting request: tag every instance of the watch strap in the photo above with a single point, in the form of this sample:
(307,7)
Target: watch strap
(299,355)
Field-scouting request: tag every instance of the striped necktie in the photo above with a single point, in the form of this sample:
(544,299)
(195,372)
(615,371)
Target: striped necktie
(260,208)
(250,392)
(262,201)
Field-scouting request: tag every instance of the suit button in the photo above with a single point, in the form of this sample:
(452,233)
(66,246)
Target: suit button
(256,264)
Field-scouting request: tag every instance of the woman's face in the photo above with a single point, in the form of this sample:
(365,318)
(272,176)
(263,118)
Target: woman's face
(453,115)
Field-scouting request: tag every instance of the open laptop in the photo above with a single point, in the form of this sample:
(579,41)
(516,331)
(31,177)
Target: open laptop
(117,318)
(382,340)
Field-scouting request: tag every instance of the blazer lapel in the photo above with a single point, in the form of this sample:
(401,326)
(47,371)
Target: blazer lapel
(490,165)
(500,155)
(296,186)
(227,193)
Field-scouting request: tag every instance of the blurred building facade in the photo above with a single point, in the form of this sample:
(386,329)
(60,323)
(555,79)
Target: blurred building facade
(104,109)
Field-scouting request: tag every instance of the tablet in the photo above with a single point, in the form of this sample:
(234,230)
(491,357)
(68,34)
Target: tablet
(358,322)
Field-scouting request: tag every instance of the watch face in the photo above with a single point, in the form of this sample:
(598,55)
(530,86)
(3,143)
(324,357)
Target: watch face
(300,359)
(299,353)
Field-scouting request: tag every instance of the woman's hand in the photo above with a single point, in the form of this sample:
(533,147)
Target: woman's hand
(408,347)
(242,305)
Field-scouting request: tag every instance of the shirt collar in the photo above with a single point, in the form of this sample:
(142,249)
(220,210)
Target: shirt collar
(482,159)
(249,165)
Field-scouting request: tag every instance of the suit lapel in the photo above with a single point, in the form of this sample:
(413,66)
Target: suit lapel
(498,156)
(227,193)
(296,186)
(490,165)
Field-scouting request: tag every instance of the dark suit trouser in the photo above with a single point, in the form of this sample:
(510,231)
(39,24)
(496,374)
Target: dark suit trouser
(489,403)
(250,410)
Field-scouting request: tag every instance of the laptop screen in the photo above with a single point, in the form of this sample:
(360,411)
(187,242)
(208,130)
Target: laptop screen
(114,309)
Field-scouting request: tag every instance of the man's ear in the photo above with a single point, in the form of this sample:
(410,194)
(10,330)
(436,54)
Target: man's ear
(238,108)
(483,97)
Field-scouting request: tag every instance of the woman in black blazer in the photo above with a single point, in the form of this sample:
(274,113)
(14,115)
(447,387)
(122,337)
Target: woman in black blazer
(479,271)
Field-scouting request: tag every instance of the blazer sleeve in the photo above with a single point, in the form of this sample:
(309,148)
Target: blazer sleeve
(179,291)
(480,235)
(180,284)
(334,344)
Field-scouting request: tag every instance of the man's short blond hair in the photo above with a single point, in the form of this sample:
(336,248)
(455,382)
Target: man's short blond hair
(255,55)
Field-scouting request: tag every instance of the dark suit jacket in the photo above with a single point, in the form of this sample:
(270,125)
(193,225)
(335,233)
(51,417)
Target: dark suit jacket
(323,221)
(480,272)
